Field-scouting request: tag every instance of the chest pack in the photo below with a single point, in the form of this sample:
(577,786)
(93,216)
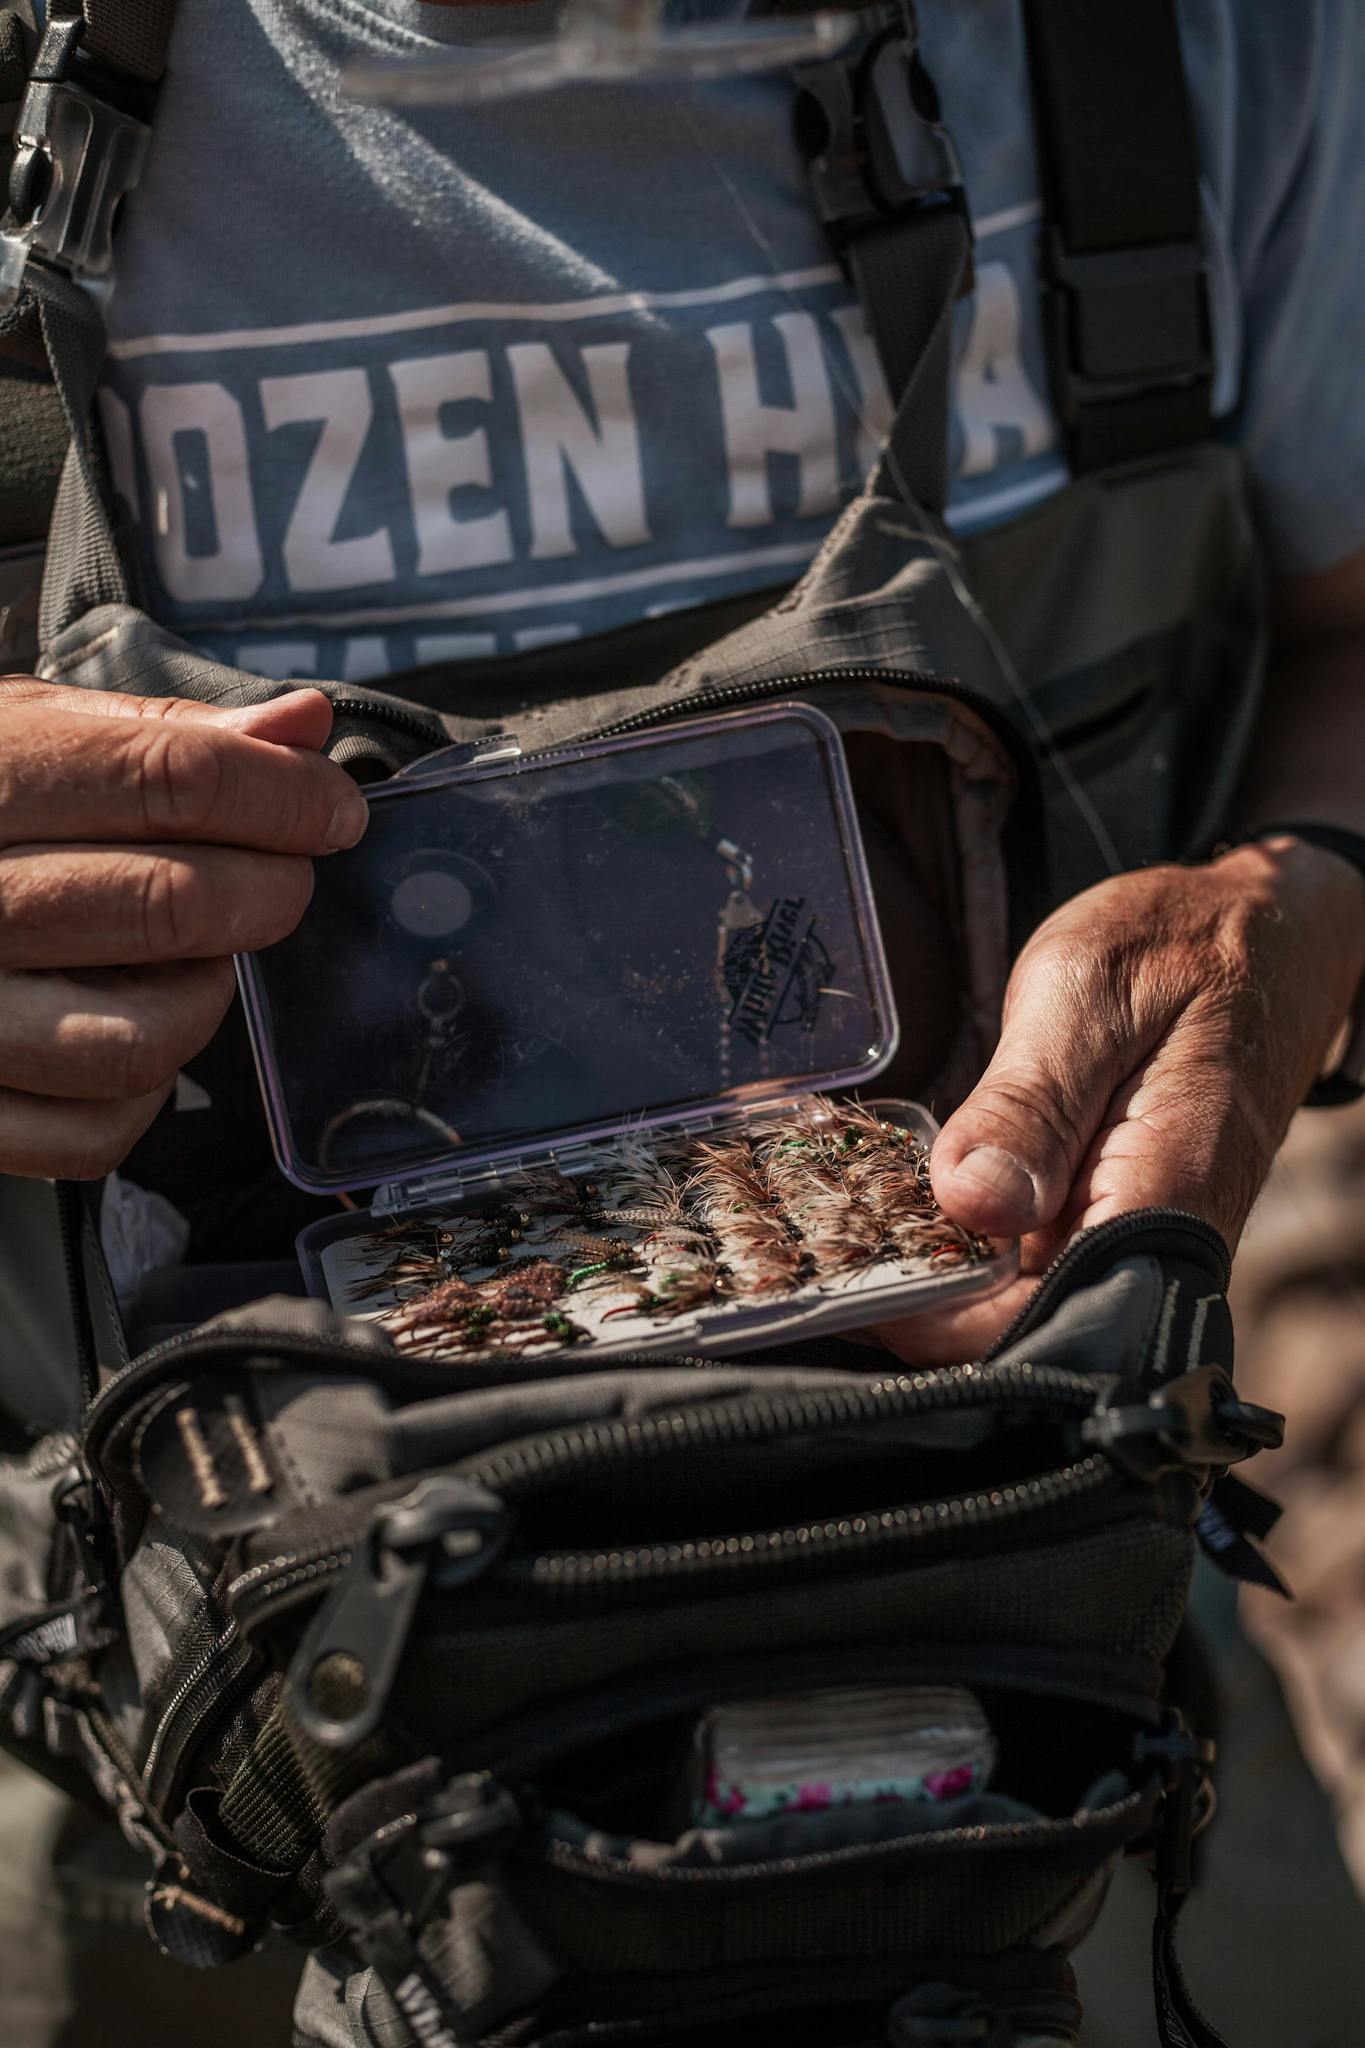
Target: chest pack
(415,1666)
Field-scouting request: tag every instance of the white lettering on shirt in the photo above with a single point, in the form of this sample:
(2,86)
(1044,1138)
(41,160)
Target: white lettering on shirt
(439,464)
(364,655)
(804,428)
(545,636)
(281,659)
(560,440)
(339,401)
(430,647)
(232,567)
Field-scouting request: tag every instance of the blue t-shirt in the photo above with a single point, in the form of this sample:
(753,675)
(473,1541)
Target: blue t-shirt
(392,387)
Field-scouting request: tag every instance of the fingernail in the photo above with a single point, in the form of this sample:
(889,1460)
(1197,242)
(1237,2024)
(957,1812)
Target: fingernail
(348,821)
(999,1175)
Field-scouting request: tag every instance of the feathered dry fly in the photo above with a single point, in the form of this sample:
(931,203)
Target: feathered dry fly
(754,1242)
(503,1312)
(838,1233)
(667,1225)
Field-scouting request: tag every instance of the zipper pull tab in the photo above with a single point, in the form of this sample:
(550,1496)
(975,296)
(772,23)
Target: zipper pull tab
(1194,1423)
(446,1532)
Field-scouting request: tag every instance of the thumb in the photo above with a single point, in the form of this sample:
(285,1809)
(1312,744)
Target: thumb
(1006,1162)
(301,718)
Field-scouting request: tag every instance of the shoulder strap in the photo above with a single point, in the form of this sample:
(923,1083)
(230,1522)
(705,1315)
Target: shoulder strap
(79,111)
(1123,261)
(131,35)
(88,90)
(886,185)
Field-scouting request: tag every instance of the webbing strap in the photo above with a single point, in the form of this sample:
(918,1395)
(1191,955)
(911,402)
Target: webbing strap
(46,471)
(32,430)
(132,35)
(885,182)
(1179,2022)
(1123,262)
(84,567)
(908,274)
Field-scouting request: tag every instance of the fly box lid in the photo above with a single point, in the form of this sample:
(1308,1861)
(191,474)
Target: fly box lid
(528,954)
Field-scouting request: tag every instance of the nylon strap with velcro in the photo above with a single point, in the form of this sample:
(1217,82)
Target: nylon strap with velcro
(1123,260)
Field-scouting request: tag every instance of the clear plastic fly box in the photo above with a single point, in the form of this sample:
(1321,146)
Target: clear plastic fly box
(594,1030)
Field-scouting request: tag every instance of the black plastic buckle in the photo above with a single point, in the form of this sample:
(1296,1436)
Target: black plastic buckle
(389,1889)
(867,123)
(1122,322)
(81,141)
(77,1508)
(1188,1801)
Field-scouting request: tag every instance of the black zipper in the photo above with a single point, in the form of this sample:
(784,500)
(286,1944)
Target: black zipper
(713,698)
(279,1584)
(984,1838)
(522,1467)
(1164,1232)
(296,1577)
(109,1742)
(378,1571)
(764,1417)
(812,1543)
(717,695)
(207,1690)
(389,712)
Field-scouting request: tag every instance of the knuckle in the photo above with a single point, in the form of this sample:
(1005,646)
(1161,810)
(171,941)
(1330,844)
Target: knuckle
(1021,1100)
(99,1150)
(169,908)
(30,904)
(106,1142)
(287,897)
(138,1056)
(78,1147)
(212,986)
(169,1025)
(180,779)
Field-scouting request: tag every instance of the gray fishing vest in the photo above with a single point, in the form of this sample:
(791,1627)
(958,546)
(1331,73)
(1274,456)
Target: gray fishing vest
(1061,697)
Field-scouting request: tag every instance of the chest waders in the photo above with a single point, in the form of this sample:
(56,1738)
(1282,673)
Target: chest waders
(1045,692)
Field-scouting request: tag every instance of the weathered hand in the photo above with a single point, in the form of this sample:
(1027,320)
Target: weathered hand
(143,841)
(1159,1032)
